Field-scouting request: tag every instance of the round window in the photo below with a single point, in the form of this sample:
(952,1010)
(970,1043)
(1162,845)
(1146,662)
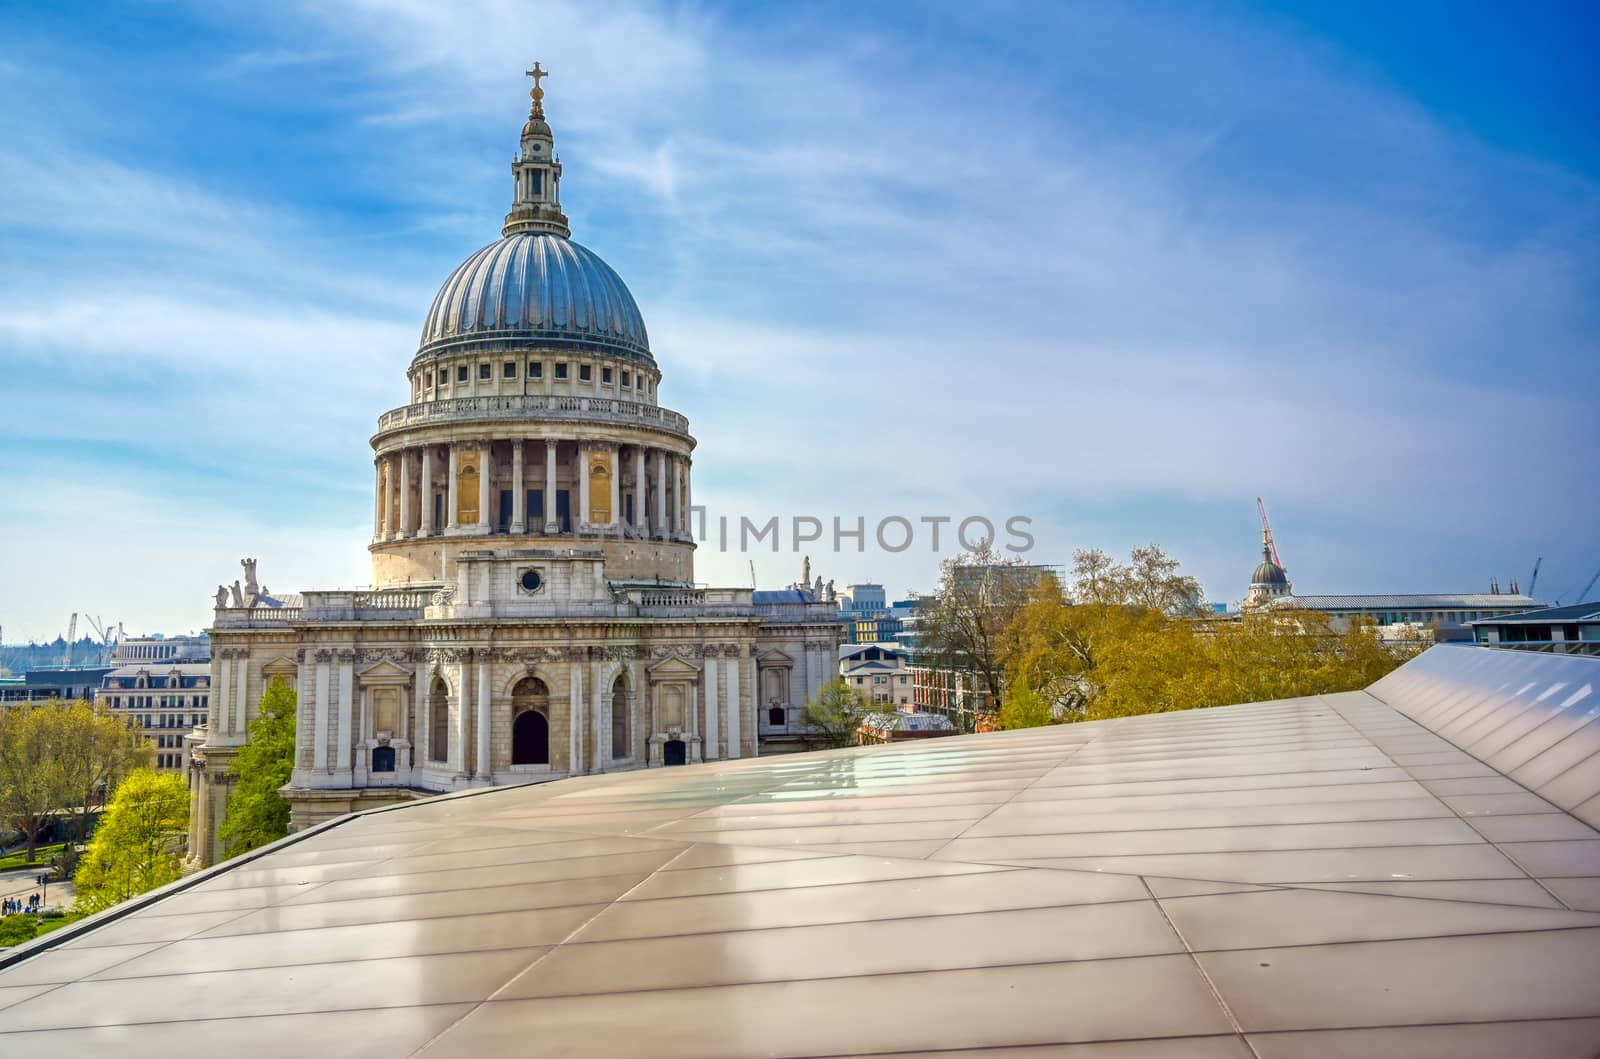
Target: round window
(531,580)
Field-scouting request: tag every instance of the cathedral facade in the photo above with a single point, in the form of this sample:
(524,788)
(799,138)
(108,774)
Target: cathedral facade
(533,611)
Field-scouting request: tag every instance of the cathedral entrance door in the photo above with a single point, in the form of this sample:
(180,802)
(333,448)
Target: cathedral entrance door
(674,752)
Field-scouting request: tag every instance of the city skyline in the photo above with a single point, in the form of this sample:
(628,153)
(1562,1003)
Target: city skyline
(923,264)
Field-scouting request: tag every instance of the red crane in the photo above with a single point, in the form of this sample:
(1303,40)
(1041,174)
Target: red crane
(1266,531)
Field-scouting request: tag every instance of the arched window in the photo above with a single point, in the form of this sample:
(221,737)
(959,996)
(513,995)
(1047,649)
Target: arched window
(777,716)
(439,721)
(619,717)
(530,727)
(530,739)
(674,752)
(383,759)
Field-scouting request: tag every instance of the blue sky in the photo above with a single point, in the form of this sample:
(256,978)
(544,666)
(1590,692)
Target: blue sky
(1119,268)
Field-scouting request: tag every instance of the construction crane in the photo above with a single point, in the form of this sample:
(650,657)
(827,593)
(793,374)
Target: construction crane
(1534,580)
(72,634)
(104,630)
(1583,597)
(1266,531)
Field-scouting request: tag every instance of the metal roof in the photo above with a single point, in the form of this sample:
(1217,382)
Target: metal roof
(1330,875)
(1576,612)
(1466,601)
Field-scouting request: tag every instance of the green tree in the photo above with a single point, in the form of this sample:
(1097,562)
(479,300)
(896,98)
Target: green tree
(31,783)
(834,714)
(96,751)
(139,843)
(256,813)
(60,756)
(1024,708)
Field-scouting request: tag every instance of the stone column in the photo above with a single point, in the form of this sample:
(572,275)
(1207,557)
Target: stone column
(616,487)
(484,772)
(241,677)
(575,718)
(597,696)
(425,493)
(377,499)
(640,518)
(710,749)
(386,525)
(519,494)
(661,493)
(583,483)
(688,500)
(319,734)
(346,708)
(733,707)
(551,526)
(677,495)
(405,493)
(421,707)
(458,760)
(221,677)
(452,492)
(486,517)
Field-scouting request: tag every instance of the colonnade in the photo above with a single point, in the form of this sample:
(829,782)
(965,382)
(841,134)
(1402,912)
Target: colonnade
(580,484)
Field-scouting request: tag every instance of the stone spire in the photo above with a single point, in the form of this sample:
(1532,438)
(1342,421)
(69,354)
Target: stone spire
(536,173)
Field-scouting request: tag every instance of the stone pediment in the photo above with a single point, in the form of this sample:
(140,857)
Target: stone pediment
(672,666)
(774,657)
(281,666)
(385,671)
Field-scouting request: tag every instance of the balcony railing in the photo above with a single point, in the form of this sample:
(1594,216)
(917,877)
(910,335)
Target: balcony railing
(535,406)
(1590,648)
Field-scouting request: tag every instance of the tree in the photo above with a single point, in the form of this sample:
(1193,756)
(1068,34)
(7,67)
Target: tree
(834,714)
(138,845)
(31,782)
(256,813)
(57,756)
(1129,646)
(1053,647)
(1274,655)
(1152,580)
(96,751)
(1024,708)
(961,628)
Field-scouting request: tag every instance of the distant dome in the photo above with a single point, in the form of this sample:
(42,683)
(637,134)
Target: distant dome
(1269,573)
(535,289)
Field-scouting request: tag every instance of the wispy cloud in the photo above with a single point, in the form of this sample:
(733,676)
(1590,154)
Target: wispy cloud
(1120,273)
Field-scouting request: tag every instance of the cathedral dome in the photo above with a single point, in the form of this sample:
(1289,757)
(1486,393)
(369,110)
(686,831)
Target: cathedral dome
(1269,573)
(535,288)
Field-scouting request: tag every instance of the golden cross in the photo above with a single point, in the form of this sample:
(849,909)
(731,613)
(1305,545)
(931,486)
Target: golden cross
(538,73)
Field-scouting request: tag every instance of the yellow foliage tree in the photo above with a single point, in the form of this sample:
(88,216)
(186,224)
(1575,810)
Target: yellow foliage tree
(138,845)
(1122,650)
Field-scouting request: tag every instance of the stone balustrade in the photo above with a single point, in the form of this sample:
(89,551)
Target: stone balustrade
(437,601)
(535,406)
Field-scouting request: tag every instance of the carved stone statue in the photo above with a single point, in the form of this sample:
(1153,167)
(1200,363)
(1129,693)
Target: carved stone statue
(250,588)
(222,596)
(830,597)
(817,588)
(805,571)
(238,596)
